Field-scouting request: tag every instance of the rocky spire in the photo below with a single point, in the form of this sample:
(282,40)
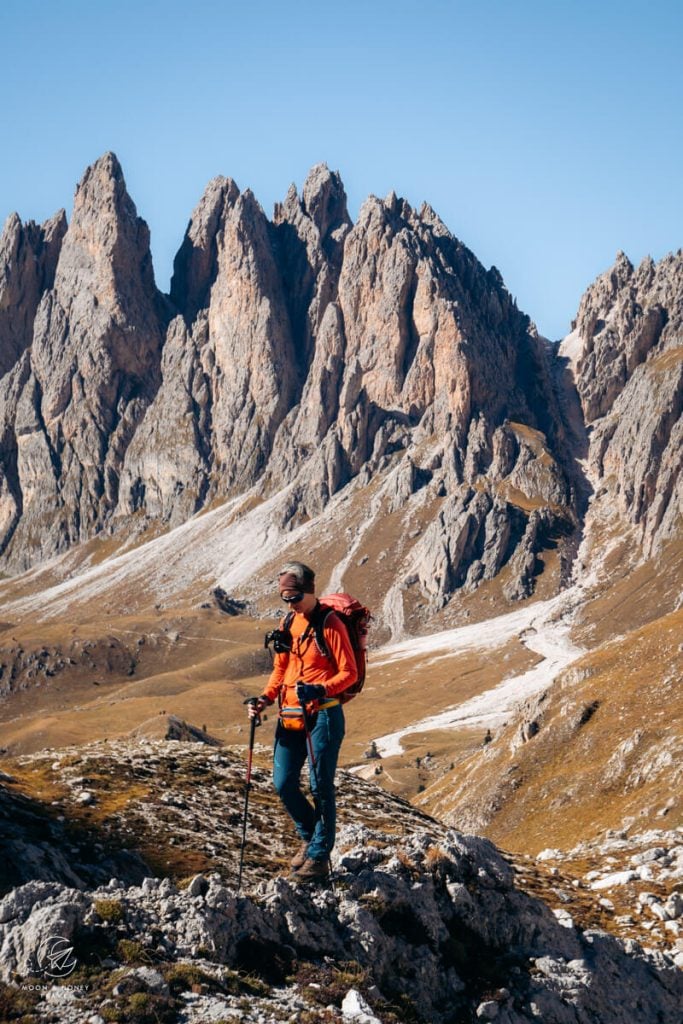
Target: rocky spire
(629,377)
(229,377)
(94,368)
(196,264)
(310,350)
(324,202)
(28,259)
(319,353)
(309,233)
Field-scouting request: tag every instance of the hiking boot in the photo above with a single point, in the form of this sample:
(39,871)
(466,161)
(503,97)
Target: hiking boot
(300,856)
(312,870)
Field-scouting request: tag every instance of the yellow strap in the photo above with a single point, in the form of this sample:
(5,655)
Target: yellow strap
(328,703)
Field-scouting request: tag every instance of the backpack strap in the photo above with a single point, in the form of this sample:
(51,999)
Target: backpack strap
(285,624)
(318,620)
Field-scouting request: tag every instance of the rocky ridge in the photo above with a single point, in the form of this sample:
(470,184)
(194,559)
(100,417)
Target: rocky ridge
(423,924)
(319,354)
(307,349)
(322,354)
(126,795)
(626,355)
(87,371)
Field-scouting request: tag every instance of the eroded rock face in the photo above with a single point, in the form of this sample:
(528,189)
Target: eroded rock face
(316,353)
(92,369)
(627,354)
(423,365)
(28,259)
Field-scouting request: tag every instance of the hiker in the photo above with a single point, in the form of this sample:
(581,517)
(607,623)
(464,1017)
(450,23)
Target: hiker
(304,676)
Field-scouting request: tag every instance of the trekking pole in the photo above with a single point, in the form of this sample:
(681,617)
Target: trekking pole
(256,720)
(314,769)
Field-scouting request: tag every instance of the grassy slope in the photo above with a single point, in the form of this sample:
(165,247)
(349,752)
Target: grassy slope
(609,751)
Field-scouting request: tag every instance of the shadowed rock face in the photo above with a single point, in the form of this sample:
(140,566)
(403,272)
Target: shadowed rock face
(28,260)
(309,352)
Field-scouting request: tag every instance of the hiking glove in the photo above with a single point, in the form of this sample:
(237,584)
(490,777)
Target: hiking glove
(309,691)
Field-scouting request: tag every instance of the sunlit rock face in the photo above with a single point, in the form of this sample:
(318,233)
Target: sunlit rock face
(308,354)
(628,337)
(90,368)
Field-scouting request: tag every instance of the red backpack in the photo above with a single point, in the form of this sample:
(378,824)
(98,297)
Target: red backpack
(356,617)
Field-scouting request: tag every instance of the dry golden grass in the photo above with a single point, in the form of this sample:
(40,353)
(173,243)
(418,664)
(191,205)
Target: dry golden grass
(204,675)
(634,596)
(570,780)
(216,661)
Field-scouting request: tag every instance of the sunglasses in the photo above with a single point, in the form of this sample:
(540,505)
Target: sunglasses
(294,599)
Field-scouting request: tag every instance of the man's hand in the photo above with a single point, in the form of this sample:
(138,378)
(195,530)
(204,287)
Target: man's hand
(306,692)
(256,705)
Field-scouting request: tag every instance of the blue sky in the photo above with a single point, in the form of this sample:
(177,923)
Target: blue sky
(547,135)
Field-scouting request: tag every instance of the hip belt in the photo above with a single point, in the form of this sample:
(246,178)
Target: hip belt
(292,717)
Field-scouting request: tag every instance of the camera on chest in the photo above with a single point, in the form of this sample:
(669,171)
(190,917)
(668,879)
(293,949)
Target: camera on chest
(281,639)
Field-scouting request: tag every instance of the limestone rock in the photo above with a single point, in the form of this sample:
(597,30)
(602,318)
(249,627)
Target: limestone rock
(94,368)
(626,352)
(304,355)
(196,264)
(34,848)
(28,259)
(167,468)
(228,376)
(420,925)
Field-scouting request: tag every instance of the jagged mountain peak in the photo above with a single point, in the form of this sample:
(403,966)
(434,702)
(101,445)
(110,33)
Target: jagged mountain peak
(102,195)
(324,198)
(108,164)
(55,225)
(318,220)
(104,214)
(625,350)
(315,351)
(28,262)
(622,260)
(194,267)
(10,229)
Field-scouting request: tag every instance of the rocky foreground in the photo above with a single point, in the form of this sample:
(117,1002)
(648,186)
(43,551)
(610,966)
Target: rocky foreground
(422,923)
(416,931)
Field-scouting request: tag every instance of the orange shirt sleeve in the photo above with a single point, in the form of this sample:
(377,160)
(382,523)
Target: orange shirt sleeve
(339,646)
(276,677)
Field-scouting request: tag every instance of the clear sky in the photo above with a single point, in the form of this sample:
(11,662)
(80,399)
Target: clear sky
(547,134)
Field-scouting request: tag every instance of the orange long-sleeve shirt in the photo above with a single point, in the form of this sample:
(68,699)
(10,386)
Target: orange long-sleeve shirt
(306,664)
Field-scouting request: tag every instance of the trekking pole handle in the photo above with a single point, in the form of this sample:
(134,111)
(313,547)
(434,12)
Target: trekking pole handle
(256,719)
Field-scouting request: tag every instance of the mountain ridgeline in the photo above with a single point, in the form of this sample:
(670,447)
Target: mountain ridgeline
(307,352)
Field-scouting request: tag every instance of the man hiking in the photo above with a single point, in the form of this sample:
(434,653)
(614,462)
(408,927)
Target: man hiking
(305,678)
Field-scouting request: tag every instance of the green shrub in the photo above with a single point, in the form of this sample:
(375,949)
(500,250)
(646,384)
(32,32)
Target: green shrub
(109,910)
(181,977)
(133,952)
(17,1003)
